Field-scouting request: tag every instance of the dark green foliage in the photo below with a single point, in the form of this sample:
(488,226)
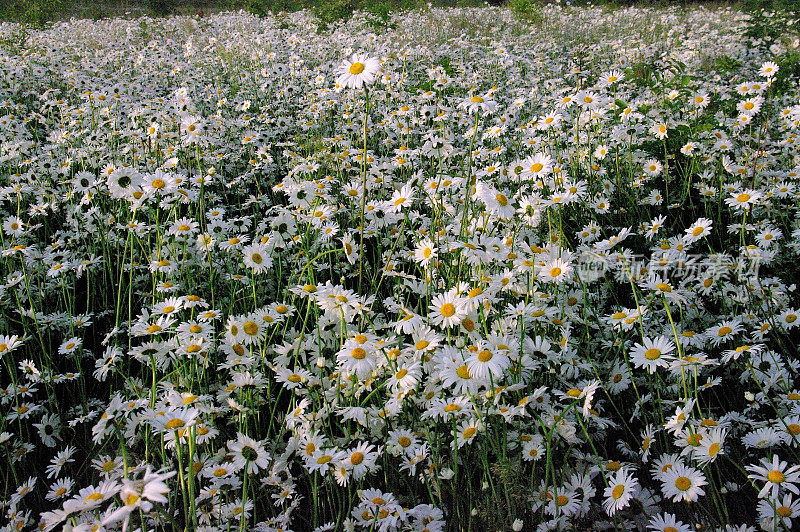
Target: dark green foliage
(160,8)
(333,11)
(36,12)
(265,7)
(770,5)
(789,72)
(378,13)
(528,10)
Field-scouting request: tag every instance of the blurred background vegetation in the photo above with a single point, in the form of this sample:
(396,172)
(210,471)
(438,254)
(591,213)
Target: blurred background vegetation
(40,12)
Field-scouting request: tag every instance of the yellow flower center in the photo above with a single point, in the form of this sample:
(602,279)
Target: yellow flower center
(776,477)
(683,483)
(356,68)
(475,292)
(448,310)
(617,492)
(652,353)
(174,423)
(358,353)
(356,458)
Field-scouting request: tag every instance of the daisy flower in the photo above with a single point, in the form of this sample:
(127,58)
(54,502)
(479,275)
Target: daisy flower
(778,511)
(622,487)
(683,483)
(776,474)
(652,354)
(360,70)
(536,167)
(487,363)
(256,257)
(556,271)
(698,230)
(447,309)
(768,69)
(245,451)
(361,459)
(667,523)
(425,252)
(476,103)
(743,199)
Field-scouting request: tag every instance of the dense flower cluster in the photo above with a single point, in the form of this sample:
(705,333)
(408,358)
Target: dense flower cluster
(465,273)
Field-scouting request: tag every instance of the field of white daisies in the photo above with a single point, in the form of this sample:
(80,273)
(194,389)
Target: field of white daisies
(465,272)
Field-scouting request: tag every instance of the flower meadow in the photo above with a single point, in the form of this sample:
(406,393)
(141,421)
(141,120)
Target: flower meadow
(463,272)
